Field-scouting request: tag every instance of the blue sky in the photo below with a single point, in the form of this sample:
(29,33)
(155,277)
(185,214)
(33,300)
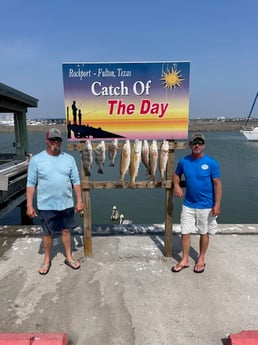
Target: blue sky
(219,38)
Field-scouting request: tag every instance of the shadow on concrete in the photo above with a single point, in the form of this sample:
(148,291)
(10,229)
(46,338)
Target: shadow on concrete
(76,241)
(176,246)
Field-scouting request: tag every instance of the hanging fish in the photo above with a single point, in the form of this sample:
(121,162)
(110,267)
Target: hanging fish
(153,159)
(135,160)
(163,159)
(87,157)
(100,155)
(146,156)
(112,152)
(125,160)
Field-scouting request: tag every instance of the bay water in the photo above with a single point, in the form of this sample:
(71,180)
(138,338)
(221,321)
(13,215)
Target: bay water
(238,161)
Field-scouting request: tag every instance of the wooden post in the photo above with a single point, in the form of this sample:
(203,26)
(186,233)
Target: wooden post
(87,224)
(67,115)
(21,136)
(169,204)
(87,217)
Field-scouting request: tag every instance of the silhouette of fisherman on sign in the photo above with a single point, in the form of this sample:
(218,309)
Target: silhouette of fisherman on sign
(74,109)
(80,117)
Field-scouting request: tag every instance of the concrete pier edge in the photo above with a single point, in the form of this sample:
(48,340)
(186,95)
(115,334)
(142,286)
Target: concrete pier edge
(130,229)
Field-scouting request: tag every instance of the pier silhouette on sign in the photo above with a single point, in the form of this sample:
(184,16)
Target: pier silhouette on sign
(86,131)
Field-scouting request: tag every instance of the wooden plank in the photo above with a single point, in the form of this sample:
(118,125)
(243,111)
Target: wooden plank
(86,184)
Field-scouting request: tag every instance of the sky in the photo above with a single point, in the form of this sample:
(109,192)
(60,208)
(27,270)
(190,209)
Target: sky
(219,38)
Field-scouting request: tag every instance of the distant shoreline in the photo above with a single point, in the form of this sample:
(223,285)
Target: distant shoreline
(194,126)
(217,126)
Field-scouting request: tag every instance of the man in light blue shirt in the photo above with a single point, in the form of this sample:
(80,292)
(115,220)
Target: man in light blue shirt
(55,175)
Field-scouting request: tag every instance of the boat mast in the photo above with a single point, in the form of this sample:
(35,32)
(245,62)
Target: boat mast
(251,110)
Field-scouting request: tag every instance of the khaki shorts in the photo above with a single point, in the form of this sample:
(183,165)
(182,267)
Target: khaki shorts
(195,220)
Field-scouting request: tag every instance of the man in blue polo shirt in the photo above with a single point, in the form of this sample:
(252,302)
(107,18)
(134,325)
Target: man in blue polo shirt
(202,200)
(55,175)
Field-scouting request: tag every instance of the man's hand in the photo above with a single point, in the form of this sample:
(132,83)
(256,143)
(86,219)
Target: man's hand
(178,191)
(79,207)
(215,211)
(31,212)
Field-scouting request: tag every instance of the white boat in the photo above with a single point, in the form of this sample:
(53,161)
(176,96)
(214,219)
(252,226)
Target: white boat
(251,134)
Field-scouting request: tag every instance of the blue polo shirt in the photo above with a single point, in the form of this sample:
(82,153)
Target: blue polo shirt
(198,175)
(53,176)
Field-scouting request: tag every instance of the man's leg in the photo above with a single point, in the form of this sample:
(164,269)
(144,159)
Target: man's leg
(185,244)
(67,243)
(47,245)
(187,227)
(203,246)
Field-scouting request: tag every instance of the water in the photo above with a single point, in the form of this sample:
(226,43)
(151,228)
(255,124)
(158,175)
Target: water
(238,160)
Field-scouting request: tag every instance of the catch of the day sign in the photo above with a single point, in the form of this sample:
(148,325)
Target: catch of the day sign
(131,156)
(127,100)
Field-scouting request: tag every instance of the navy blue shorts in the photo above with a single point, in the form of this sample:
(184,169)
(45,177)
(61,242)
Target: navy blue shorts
(55,221)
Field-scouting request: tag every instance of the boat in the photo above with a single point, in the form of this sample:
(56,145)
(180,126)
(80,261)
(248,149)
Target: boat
(251,134)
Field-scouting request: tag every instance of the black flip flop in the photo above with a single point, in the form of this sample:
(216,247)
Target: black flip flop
(45,266)
(70,264)
(197,271)
(181,267)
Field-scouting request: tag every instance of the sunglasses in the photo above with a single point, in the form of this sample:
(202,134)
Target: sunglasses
(59,140)
(197,142)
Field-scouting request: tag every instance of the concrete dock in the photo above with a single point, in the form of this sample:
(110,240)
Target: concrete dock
(126,294)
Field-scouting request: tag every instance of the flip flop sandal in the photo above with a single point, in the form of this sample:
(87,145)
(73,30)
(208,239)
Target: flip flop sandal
(45,267)
(72,264)
(199,271)
(178,268)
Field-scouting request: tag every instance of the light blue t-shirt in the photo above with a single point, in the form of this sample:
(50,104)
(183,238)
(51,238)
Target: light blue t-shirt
(198,175)
(53,176)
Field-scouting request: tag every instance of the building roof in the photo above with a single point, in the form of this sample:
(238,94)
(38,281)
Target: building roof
(12,100)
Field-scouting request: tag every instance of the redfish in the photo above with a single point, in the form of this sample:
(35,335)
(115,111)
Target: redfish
(112,152)
(125,160)
(146,156)
(87,157)
(135,160)
(100,155)
(163,159)
(154,155)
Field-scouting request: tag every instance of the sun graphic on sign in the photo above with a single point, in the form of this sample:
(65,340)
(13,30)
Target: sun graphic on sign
(171,78)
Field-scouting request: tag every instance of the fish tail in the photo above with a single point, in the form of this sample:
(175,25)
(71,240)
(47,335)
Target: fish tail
(87,171)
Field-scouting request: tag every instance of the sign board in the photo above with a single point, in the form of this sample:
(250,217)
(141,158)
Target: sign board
(127,100)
